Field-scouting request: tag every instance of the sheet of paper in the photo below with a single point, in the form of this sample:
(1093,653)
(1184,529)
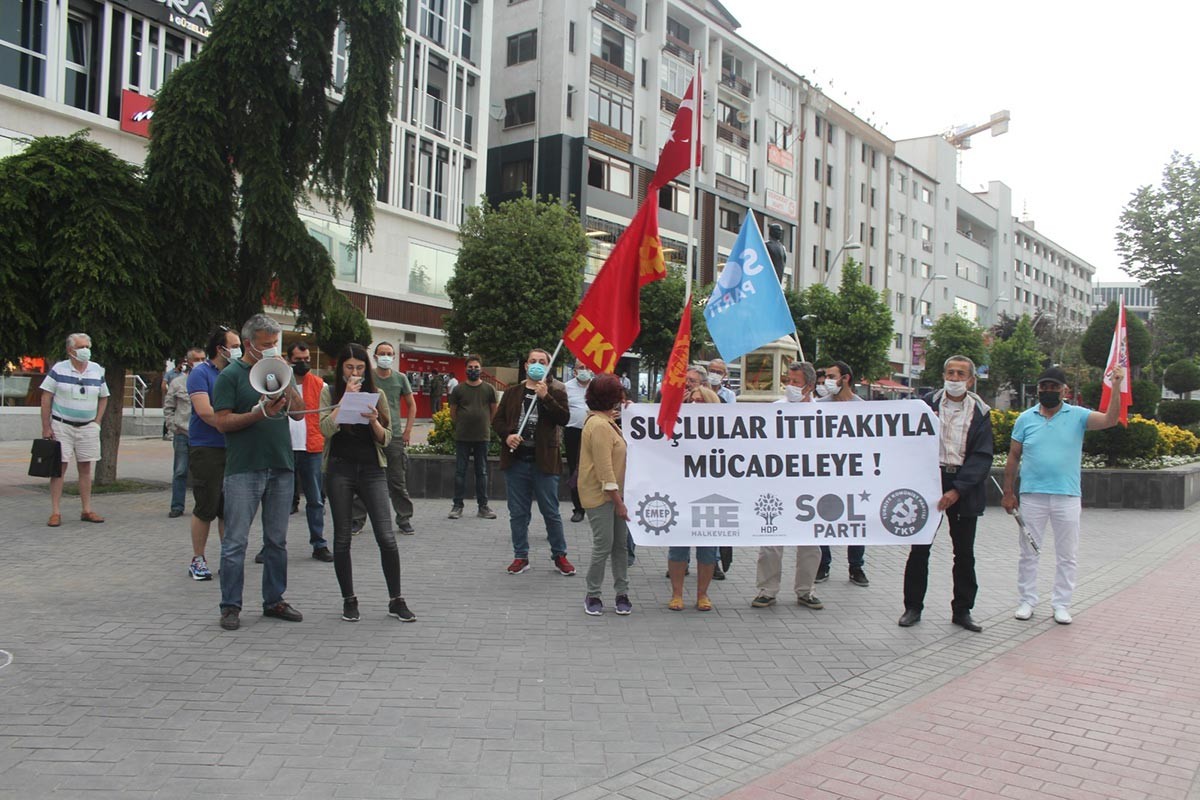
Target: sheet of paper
(353,405)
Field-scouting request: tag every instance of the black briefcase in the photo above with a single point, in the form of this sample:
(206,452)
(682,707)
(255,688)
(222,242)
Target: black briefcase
(45,459)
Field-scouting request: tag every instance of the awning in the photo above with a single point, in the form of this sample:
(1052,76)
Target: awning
(887,384)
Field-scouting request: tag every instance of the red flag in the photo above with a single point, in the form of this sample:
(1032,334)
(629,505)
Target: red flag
(677,152)
(609,317)
(1118,356)
(675,378)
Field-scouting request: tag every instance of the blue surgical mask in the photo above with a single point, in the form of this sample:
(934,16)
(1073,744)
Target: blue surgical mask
(235,353)
(536,371)
(584,375)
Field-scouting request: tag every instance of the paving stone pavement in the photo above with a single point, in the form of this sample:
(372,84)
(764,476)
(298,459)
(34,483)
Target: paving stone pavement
(121,683)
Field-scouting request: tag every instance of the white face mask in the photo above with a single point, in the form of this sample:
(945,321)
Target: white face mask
(271,352)
(714,379)
(955,388)
(820,391)
(84,354)
(384,362)
(584,375)
(235,353)
(831,386)
(794,394)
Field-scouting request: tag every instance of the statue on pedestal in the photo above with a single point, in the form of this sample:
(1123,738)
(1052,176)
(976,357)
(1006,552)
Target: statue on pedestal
(776,250)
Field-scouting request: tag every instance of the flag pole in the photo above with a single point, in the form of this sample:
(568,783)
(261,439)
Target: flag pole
(697,102)
(529,410)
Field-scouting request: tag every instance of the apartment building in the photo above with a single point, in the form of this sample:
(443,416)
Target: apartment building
(1140,299)
(97,64)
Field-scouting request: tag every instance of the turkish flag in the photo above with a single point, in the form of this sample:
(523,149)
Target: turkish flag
(675,379)
(677,152)
(1118,356)
(609,317)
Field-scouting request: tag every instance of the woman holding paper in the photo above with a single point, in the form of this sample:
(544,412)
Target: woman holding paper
(356,434)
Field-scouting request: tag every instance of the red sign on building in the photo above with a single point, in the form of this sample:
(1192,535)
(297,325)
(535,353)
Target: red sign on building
(136,112)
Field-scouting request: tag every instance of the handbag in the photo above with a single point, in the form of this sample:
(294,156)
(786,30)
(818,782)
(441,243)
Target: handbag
(45,459)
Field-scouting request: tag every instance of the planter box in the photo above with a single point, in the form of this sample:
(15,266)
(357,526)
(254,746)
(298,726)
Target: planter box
(433,477)
(1173,488)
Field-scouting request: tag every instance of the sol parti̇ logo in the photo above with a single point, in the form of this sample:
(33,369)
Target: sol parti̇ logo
(903,512)
(657,513)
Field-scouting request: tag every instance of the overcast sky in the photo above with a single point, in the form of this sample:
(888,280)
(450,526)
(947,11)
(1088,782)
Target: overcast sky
(1100,93)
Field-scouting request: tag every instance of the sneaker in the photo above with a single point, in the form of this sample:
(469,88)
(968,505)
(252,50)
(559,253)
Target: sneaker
(350,609)
(356,526)
(518,566)
(406,528)
(858,577)
(323,554)
(284,611)
(624,607)
(229,618)
(1062,616)
(486,513)
(175,512)
(810,601)
(258,557)
(564,567)
(199,570)
(1023,612)
(399,609)
(822,575)
(718,573)
(593,606)
(577,515)
(455,512)
(762,601)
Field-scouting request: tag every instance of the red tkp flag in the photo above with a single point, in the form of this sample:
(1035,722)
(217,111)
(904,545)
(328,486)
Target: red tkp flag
(609,317)
(675,378)
(677,152)
(1118,356)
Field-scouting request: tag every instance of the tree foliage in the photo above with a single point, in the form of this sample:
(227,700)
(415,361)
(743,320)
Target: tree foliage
(661,307)
(242,135)
(1016,360)
(1182,377)
(1097,340)
(854,325)
(1159,242)
(517,280)
(73,258)
(952,335)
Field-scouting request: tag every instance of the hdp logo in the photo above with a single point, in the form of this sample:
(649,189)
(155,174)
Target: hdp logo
(769,507)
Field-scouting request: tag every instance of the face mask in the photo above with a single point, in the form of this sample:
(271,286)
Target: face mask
(1049,399)
(820,391)
(584,375)
(384,362)
(536,371)
(235,353)
(714,379)
(794,394)
(831,386)
(271,352)
(473,374)
(84,354)
(955,388)
(301,368)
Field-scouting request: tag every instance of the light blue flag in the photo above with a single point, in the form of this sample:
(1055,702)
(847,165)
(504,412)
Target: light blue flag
(747,308)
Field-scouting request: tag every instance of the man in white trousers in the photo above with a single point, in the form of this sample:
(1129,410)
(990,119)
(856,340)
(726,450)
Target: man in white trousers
(1047,445)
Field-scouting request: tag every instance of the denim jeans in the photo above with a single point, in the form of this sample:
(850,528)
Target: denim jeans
(179,473)
(345,481)
(704,555)
(463,451)
(308,478)
(397,485)
(244,493)
(856,556)
(526,482)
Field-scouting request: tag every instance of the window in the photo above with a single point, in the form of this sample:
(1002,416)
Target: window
(781,133)
(674,76)
(926,195)
(23,45)
(829,132)
(337,239)
(898,341)
(871,238)
(674,197)
(519,111)
(926,270)
(610,108)
(916,190)
(612,47)
(428,270)
(862,193)
(79,85)
(828,258)
(872,197)
(829,174)
(433,20)
(730,220)
(571,37)
(729,115)
(817,169)
(516,176)
(816,215)
(610,174)
(926,233)
(645,72)
(732,163)
(903,183)
(829,218)
(341,61)
(731,65)
(814,262)
(900,302)
(678,30)
(779,182)
(522,47)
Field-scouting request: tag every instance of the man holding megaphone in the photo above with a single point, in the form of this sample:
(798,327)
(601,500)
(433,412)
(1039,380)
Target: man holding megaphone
(252,398)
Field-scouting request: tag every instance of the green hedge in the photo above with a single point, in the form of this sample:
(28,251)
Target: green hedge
(1179,412)
(1139,440)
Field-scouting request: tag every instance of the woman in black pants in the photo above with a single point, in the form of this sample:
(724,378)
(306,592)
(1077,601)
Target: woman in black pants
(355,463)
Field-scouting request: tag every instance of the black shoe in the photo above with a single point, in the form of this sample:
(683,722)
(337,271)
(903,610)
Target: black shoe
(258,558)
(964,620)
(822,575)
(284,611)
(323,554)
(399,609)
(858,577)
(175,512)
(718,574)
(406,528)
(295,508)
(356,526)
(910,617)
(577,515)
(350,609)
(229,618)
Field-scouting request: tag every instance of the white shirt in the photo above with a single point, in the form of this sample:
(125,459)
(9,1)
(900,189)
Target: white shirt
(575,394)
(76,394)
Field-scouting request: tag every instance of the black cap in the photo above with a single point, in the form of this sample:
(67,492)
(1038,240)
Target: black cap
(1053,374)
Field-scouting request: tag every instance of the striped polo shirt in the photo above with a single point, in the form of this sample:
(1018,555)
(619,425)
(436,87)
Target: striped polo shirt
(76,394)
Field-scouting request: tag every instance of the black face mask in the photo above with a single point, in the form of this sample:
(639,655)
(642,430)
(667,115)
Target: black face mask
(1050,399)
(472,374)
(301,368)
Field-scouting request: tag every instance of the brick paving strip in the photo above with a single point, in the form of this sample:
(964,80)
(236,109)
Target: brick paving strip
(1107,707)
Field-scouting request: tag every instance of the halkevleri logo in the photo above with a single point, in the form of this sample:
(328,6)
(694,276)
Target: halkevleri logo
(715,516)
(657,513)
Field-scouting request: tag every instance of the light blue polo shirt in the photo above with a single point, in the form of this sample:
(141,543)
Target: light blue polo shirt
(1051,450)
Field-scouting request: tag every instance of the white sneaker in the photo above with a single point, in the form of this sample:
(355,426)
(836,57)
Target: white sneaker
(1024,611)
(1062,616)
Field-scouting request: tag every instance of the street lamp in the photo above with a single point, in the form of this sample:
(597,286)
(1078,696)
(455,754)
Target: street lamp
(848,245)
(817,348)
(920,298)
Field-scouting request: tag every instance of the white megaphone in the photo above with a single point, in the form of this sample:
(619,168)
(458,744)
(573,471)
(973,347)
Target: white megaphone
(271,376)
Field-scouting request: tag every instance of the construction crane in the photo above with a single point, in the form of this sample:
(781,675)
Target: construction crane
(960,137)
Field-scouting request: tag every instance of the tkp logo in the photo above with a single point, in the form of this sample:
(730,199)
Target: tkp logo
(715,515)
(769,507)
(903,512)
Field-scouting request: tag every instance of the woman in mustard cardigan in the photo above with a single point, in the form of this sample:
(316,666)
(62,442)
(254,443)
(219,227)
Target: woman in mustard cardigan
(601,483)
(355,463)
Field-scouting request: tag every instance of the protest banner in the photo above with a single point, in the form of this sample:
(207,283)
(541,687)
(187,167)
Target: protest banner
(784,474)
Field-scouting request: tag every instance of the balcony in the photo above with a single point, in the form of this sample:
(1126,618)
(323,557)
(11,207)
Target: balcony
(737,84)
(679,49)
(732,135)
(618,140)
(615,13)
(435,115)
(668,102)
(735,188)
(464,129)
(611,75)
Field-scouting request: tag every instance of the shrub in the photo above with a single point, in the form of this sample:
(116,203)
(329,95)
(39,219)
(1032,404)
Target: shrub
(1179,412)
(1183,376)
(1139,440)
(1145,397)
(1175,441)
(441,436)
(1002,425)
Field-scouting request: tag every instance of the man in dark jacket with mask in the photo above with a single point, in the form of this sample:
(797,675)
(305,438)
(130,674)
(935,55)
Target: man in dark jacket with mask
(965,456)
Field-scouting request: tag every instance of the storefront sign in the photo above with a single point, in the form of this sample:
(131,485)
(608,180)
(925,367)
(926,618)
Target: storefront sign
(779,157)
(783,206)
(194,17)
(136,112)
